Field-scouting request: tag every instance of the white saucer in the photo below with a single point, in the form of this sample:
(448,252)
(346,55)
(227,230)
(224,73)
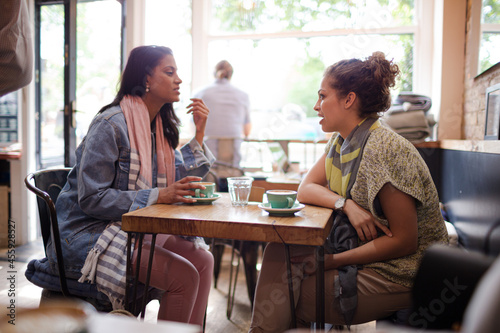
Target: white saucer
(204,201)
(281,211)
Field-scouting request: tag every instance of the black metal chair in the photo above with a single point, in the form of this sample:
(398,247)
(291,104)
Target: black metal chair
(47,184)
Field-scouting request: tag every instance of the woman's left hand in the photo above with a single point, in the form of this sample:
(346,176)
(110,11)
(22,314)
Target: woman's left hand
(200,114)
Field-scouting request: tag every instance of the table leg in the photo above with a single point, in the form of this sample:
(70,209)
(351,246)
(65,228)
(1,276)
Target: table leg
(320,287)
(148,276)
(128,272)
(290,285)
(136,279)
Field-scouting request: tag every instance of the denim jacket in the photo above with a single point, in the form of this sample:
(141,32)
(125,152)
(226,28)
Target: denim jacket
(96,191)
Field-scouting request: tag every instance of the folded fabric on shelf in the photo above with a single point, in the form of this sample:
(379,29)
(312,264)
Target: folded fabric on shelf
(408,101)
(412,125)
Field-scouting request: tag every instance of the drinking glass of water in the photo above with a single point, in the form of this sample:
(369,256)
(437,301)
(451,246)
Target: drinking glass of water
(239,190)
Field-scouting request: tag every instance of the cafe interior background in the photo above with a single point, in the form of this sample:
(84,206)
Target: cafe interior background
(448,50)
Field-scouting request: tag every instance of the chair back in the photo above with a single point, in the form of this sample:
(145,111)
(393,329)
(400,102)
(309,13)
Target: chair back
(257,194)
(47,184)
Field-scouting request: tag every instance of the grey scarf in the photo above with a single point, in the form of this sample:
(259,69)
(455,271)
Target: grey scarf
(343,162)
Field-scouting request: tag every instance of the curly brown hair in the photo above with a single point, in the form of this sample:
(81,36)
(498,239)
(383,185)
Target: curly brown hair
(370,79)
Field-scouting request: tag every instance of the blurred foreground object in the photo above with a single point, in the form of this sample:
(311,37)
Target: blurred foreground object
(55,317)
(16,47)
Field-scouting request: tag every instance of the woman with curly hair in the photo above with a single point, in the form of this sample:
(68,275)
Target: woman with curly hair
(387,210)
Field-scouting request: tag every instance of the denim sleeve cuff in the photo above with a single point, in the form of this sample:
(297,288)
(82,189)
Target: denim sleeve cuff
(141,199)
(153,196)
(201,152)
(195,155)
(193,159)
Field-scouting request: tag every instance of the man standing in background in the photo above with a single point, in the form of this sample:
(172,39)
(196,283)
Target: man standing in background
(229,120)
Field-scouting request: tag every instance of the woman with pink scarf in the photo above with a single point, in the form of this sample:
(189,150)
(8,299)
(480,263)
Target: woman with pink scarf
(129,160)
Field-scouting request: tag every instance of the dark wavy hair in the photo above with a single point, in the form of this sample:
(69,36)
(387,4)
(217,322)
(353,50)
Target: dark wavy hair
(141,62)
(370,80)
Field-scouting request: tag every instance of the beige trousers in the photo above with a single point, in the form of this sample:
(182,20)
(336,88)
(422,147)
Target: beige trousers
(377,297)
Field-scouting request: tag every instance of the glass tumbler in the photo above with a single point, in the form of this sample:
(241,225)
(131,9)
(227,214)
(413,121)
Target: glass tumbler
(239,190)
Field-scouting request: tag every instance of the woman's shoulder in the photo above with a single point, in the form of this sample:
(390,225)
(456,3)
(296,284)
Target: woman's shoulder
(111,120)
(385,141)
(388,135)
(112,115)
(387,149)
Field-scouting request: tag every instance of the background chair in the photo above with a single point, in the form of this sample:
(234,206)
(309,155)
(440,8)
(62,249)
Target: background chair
(224,166)
(47,185)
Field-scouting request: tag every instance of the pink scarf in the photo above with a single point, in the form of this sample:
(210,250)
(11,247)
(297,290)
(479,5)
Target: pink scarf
(139,132)
(103,260)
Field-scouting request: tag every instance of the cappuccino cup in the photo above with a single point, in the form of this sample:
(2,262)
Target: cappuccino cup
(208,192)
(281,198)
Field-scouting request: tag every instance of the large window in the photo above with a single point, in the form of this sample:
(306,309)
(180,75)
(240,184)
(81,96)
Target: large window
(280,48)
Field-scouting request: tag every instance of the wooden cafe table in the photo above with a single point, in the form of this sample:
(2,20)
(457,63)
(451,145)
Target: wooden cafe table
(309,226)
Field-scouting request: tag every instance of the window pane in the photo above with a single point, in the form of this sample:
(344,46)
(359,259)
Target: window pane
(490,11)
(174,32)
(259,16)
(489,52)
(282,76)
(98,59)
(52,85)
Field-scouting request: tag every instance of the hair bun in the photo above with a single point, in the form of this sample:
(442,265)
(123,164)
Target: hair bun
(221,74)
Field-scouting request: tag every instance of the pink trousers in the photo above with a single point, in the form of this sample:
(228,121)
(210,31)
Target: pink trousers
(183,272)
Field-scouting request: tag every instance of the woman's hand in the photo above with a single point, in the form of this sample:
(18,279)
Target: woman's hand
(200,115)
(176,192)
(364,222)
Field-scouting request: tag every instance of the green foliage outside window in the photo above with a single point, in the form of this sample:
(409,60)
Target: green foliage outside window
(489,40)
(292,15)
(243,17)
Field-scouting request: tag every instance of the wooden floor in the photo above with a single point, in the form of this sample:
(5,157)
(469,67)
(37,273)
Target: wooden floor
(27,295)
